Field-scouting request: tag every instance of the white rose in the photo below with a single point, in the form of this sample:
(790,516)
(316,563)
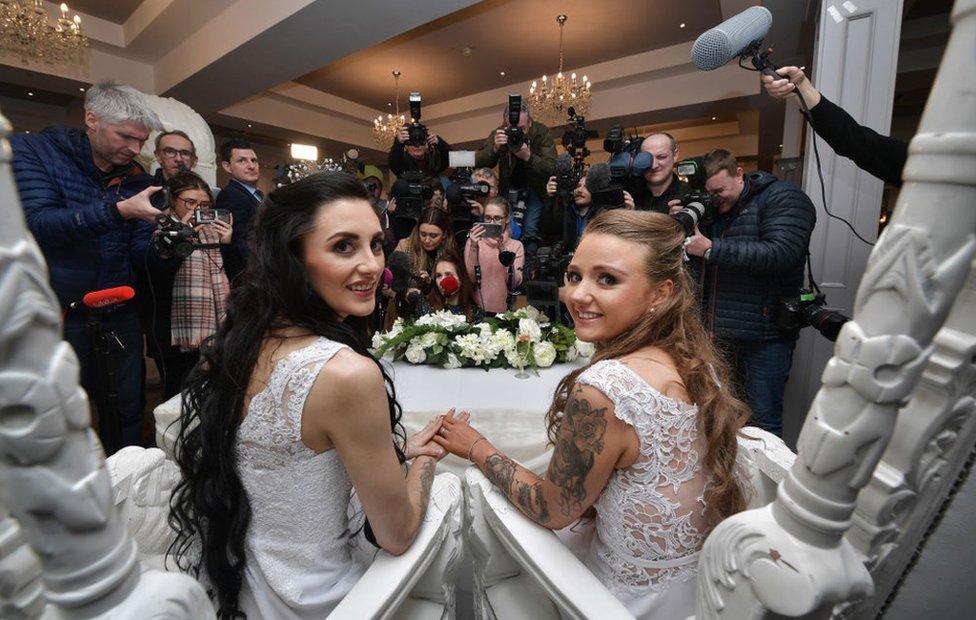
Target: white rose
(585,349)
(427,340)
(571,353)
(545,353)
(503,339)
(415,354)
(378,339)
(469,346)
(530,312)
(515,358)
(452,361)
(529,330)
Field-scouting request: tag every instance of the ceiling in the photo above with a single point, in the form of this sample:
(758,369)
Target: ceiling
(519,37)
(111,10)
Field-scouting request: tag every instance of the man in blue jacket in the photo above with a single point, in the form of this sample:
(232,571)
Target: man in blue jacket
(751,259)
(82,194)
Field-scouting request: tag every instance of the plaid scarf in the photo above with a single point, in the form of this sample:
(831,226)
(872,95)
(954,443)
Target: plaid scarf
(199,295)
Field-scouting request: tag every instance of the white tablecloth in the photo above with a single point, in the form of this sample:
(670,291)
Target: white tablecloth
(508,410)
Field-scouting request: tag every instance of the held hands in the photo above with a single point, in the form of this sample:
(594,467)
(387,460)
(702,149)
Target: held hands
(457,436)
(420,444)
(138,207)
(551,187)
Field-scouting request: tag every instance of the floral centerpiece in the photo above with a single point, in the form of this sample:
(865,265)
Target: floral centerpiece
(522,338)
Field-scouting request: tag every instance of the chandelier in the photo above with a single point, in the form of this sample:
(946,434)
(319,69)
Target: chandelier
(385,129)
(26,30)
(552,99)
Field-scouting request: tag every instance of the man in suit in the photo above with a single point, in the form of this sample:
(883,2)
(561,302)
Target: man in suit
(241,195)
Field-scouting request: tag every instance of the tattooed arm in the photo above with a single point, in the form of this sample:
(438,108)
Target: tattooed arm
(591,441)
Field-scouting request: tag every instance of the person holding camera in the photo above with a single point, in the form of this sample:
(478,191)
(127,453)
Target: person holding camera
(881,156)
(184,296)
(452,290)
(82,193)
(525,166)
(493,259)
(748,263)
(661,184)
(421,151)
(580,209)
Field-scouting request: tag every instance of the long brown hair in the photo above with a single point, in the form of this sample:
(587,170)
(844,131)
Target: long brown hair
(421,259)
(676,328)
(465,294)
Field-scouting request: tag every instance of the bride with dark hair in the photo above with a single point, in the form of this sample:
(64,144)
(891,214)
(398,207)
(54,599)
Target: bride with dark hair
(287,412)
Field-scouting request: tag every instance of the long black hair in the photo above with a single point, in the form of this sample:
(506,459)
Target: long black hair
(209,509)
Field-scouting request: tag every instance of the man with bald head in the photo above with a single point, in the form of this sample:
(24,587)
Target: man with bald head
(661,184)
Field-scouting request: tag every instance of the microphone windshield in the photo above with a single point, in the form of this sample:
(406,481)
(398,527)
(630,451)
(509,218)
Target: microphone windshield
(598,178)
(715,47)
(108,296)
(400,268)
(564,165)
(449,285)
(506,258)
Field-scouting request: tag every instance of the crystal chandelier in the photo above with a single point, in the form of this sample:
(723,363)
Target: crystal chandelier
(25,30)
(551,100)
(385,129)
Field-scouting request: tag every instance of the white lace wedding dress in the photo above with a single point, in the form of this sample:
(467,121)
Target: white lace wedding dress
(299,563)
(650,523)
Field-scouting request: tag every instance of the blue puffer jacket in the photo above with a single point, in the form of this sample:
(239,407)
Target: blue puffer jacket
(70,208)
(758,255)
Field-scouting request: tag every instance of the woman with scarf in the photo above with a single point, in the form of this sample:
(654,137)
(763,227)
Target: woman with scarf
(183,298)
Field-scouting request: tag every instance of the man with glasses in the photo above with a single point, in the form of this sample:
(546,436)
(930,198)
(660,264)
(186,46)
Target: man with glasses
(175,153)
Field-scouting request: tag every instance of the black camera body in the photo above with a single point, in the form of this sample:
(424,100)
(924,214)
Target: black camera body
(417,132)
(576,135)
(698,207)
(809,308)
(516,137)
(410,193)
(547,273)
(173,237)
(618,142)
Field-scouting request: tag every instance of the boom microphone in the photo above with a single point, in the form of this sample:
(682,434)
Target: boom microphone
(598,178)
(506,258)
(108,297)
(400,267)
(449,285)
(737,36)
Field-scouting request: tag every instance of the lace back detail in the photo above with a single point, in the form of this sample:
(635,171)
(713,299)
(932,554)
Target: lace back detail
(650,516)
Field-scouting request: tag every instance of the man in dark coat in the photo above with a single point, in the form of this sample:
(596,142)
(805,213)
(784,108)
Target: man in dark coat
(751,259)
(661,185)
(82,193)
(241,195)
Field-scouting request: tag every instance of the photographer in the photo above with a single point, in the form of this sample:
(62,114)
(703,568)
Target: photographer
(882,156)
(525,167)
(661,184)
(752,259)
(493,259)
(580,209)
(428,156)
(373,182)
(82,193)
(184,297)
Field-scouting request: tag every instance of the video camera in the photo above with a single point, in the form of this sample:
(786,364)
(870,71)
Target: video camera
(576,135)
(417,132)
(627,162)
(174,238)
(516,137)
(547,273)
(410,193)
(698,207)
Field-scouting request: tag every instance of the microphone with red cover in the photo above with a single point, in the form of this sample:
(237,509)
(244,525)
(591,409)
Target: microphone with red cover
(107,297)
(449,285)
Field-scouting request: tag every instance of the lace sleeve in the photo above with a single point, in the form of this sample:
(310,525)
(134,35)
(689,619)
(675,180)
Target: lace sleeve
(617,386)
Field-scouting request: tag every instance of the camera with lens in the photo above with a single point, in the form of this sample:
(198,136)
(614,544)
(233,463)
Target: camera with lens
(516,137)
(547,273)
(457,196)
(173,237)
(576,135)
(809,308)
(410,192)
(627,162)
(698,207)
(618,142)
(416,132)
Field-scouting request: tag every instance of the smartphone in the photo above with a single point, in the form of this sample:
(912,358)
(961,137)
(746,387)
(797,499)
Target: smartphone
(205,216)
(492,230)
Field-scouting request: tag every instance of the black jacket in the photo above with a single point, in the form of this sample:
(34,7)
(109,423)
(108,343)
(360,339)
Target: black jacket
(644,200)
(758,255)
(243,206)
(881,156)
(432,165)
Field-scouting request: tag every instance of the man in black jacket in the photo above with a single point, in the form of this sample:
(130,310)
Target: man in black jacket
(430,158)
(881,156)
(661,185)
(241,195)
(751,259)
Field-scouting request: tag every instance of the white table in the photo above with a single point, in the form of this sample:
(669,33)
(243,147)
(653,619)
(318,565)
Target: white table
(509,411)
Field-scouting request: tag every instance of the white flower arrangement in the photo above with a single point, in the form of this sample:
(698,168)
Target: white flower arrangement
(522,338)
